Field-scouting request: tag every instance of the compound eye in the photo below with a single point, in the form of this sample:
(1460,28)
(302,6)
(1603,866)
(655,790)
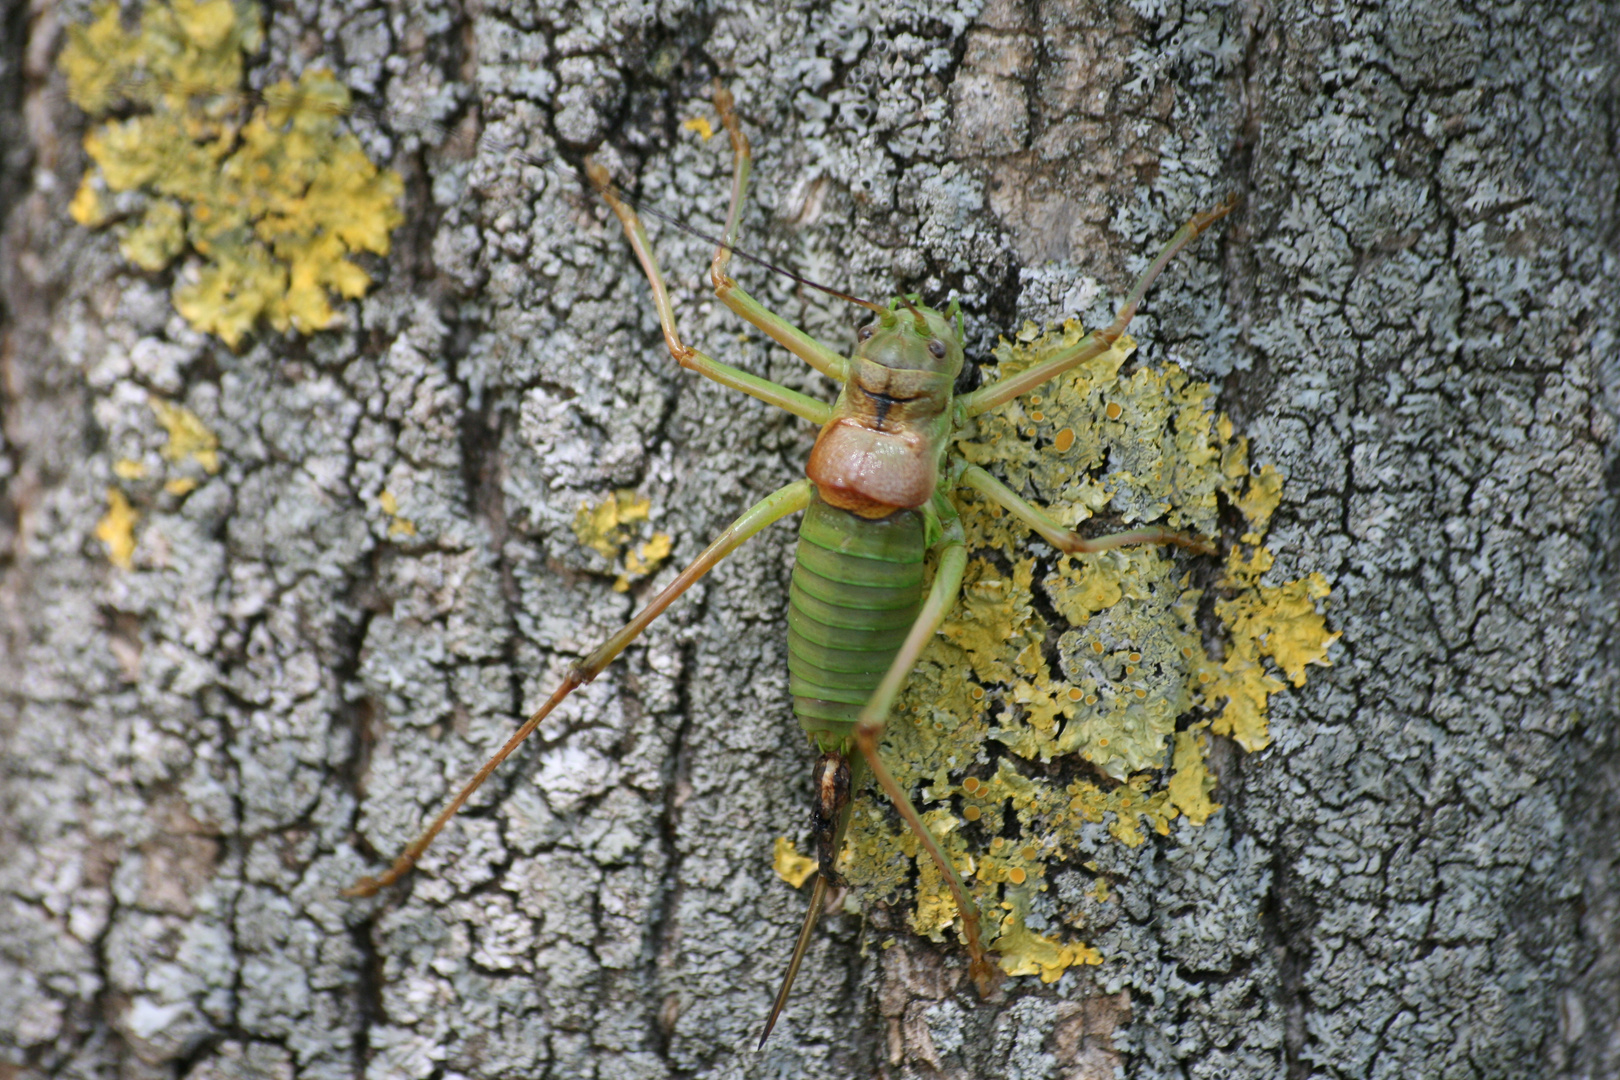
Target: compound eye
(864,334)
(936,348)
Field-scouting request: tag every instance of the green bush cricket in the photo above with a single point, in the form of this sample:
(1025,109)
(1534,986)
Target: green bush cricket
(877,508)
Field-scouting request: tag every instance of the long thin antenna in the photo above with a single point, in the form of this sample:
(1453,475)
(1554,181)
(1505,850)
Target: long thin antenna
(569,173)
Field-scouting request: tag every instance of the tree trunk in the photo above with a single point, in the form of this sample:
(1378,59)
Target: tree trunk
(1413,314)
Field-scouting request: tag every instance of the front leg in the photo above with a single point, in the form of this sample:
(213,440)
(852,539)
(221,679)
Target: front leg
(802,405)
(1067,540)
(824,358)
(1098,341)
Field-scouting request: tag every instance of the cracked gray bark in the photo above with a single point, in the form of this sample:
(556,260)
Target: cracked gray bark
(1414,315)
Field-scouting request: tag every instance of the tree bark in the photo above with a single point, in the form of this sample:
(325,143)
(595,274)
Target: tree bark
(1413,314)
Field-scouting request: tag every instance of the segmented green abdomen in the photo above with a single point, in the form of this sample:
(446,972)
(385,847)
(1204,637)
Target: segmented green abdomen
(857,588)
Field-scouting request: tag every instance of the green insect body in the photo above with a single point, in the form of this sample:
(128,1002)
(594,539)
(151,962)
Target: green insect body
(877,507)
(858,575)
(857,588)
(857,591)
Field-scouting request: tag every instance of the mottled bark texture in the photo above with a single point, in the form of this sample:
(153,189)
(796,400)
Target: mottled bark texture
(1414,315)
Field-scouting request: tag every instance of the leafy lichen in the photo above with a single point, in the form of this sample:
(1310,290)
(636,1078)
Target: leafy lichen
(116,529)
(399,527)
(618,529)
(271,200)
(1116,686)
(790,866)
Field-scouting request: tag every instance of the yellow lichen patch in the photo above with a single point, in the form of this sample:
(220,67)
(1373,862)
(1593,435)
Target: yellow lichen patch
(1260,500)
(611,527)
(1028,953)
(116,529)
(190,447)
(1242,681)
(272,200)
(701,125)
(1068,692)
(182,51)
(602,527)
(790,866)
(1190,784)
(1281,622)
(646,556)
(1124,808)
(189,437)
(397,526)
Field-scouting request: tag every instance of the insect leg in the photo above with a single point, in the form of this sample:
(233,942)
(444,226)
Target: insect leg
(942,597)
(1098,341)
(771,509)
(809,408)
(1067,539)
(823,358)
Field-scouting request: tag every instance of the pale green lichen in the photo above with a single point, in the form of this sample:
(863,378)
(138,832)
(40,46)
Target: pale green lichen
(617,529)
(272,200)
(1134,695)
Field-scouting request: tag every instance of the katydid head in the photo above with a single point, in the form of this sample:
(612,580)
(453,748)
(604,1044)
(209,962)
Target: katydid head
(909,337)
